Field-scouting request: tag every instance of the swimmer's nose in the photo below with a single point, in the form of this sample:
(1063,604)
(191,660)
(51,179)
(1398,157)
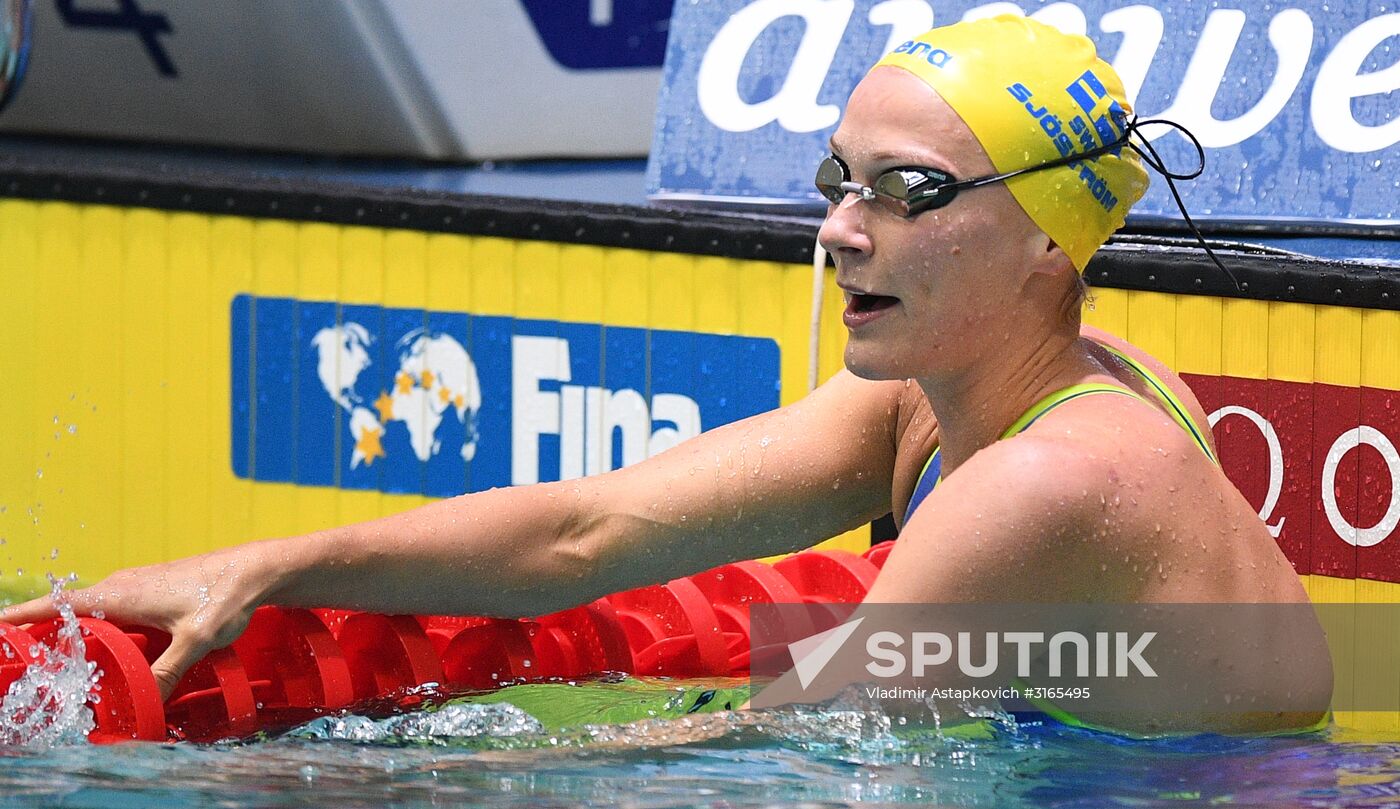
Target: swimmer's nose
(843,231)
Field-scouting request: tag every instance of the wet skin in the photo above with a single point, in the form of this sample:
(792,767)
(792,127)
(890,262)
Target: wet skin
(1104,499)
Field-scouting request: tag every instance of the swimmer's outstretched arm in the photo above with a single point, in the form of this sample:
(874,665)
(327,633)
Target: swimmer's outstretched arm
(773,483)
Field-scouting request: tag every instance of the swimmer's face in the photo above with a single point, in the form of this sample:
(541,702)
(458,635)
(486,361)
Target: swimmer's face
(930,294)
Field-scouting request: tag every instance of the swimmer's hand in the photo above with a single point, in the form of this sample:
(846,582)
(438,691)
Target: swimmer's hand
(203,602)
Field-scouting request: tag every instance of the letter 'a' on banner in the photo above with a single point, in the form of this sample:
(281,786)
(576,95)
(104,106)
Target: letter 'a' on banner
(1293,103)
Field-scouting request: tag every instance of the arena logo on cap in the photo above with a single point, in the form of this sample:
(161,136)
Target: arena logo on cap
(934,56)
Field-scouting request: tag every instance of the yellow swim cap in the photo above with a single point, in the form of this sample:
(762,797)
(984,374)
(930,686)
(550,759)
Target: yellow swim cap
(1031,93)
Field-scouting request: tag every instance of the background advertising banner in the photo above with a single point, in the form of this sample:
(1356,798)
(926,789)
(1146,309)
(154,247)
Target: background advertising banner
(408,400)
(1295,103)
(434,79)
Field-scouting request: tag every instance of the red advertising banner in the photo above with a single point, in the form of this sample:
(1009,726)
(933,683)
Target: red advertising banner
(1319,464)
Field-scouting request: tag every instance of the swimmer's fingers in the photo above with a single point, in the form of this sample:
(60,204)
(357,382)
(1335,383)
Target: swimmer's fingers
(43,608)
(185,648)
(29,612)
(184,651)
(190,641)
(123,598)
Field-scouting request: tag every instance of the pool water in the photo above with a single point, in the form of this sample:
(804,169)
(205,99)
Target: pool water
(494,752)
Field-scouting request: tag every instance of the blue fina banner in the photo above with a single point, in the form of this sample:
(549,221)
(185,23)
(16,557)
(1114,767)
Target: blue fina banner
(441,403)
(1295,103)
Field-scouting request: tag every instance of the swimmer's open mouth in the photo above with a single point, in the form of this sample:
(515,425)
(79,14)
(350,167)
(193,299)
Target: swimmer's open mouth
(871,303)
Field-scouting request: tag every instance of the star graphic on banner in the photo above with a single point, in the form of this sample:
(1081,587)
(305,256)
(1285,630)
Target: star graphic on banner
(369,445)
(404,381)
(385,405)
(445,395)
(427,380)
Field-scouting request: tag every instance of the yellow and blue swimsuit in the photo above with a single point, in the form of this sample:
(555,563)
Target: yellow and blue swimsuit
(933,468)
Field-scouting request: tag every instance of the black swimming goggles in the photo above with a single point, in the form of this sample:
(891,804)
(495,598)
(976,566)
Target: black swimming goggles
(908,191)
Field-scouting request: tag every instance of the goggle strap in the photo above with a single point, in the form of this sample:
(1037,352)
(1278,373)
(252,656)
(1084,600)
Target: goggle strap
(1155,162)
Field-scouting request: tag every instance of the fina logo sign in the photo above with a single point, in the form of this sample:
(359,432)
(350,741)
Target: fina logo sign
(405,400)
(1291,100)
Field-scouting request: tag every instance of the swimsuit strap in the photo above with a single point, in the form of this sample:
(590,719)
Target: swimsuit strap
(1175,407)
(928,478)
(1058,398)
(933,468)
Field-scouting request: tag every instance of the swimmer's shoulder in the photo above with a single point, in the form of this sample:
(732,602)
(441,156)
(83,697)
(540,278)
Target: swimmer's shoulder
(1117,450)
(1021,516)
(1150,514)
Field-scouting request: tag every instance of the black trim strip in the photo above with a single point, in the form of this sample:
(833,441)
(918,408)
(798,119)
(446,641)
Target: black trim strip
(1153,263)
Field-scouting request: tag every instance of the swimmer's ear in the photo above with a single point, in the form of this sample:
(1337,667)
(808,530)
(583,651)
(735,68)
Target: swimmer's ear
(1047,256)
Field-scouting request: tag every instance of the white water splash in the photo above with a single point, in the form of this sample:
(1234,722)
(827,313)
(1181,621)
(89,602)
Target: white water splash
(48,705)
(445,724)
